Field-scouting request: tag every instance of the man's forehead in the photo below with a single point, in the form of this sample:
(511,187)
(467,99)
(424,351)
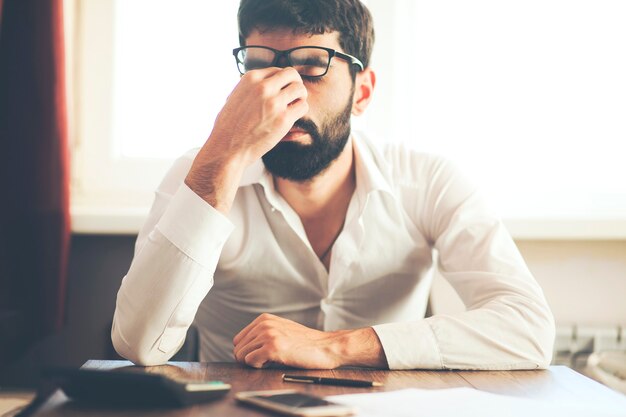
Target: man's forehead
(286,38)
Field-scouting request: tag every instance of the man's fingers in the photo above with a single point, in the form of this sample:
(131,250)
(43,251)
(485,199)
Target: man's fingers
(270,81)
(258,113)
(283,78)
(244,332)
(258,334)
(293,92)
(258,358)
(260,318)
(297,109)
(242,350)
(260,74)
(241,334)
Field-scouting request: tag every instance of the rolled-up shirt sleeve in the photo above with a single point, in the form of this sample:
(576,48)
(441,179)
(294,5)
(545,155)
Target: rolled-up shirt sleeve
(175,258)
(507,323)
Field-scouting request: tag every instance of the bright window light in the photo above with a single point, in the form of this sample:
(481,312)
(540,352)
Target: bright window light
(528,98)
(173,69)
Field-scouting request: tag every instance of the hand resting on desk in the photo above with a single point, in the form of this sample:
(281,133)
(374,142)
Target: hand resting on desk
(272,339)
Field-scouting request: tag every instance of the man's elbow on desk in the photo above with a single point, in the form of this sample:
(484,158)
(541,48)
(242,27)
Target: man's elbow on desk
(535,342)
(537,327)
(141,352)
(545,342)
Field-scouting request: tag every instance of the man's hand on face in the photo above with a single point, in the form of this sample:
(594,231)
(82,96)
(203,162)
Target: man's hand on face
(257,115)
(260,111)
(272,339)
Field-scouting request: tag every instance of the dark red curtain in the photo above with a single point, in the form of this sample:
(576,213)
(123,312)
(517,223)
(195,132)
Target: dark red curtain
(34,173)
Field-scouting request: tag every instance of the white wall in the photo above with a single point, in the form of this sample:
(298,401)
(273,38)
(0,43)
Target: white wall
(584,281)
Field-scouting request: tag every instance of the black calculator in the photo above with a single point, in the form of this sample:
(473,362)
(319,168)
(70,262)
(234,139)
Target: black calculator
(124,387)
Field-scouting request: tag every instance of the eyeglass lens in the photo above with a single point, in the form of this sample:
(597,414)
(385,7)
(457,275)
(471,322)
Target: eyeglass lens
(310,62)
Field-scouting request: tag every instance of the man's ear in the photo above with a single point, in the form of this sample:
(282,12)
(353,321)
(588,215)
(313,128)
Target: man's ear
(363,90)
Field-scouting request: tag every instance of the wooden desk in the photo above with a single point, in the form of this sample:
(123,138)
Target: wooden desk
(557,383)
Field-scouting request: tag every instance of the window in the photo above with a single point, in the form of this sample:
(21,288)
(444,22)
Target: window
(527,97)
(150,78)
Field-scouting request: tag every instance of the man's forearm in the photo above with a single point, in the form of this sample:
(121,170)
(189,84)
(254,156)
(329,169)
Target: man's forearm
(216,180)
(360,347)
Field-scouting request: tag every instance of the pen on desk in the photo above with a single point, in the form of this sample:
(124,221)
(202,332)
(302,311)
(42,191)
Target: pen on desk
(330,381)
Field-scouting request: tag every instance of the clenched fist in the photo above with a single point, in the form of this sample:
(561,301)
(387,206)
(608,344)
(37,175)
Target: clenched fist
(270,339)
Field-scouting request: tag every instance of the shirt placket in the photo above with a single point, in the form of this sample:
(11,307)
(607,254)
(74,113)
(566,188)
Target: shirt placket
(345,252)
(279,205)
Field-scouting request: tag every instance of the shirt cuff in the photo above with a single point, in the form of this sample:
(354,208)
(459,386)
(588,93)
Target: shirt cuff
(409,345)
(194,226)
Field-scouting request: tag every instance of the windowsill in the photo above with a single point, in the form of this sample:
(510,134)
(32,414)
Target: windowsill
(567,229)
(128,221)
(107,221)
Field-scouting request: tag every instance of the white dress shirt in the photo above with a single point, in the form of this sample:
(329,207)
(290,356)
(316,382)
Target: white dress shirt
(409,212)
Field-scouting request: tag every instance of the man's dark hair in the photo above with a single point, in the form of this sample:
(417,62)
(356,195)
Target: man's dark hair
(350,18)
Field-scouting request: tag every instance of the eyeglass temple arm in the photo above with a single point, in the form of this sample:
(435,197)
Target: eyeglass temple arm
(351,59)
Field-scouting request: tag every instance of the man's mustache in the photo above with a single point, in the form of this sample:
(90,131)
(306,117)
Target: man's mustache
(308,126)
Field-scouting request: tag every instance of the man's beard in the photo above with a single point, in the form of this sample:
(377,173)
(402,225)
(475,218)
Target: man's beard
(298,162)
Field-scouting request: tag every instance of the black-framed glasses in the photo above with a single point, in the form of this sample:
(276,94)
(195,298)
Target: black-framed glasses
(309,61)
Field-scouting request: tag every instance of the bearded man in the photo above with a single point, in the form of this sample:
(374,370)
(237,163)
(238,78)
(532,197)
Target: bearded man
(292,240)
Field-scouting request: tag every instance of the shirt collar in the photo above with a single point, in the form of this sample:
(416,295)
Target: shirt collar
(255,174)
(372,171)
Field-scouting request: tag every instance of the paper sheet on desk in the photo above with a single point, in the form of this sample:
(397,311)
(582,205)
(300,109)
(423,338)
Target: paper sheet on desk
(467,402)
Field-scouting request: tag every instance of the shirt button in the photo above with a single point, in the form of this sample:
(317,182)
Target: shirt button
(273,209)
